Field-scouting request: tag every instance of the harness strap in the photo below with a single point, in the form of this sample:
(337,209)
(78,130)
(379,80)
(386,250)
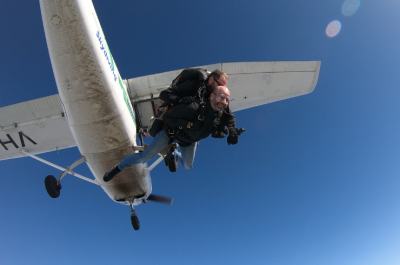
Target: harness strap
(201,94)
(217,120)
(202,111)
(172,131)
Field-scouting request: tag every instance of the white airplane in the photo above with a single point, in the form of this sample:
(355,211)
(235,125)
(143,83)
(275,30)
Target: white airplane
(100,113)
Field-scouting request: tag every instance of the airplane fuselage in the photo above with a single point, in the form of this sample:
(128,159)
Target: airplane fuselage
(94,98)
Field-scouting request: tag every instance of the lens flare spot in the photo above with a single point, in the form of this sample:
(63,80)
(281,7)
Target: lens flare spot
(349,7)
(333,28)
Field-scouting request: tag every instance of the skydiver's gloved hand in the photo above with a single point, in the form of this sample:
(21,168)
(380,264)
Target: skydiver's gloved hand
(233,137)
(186,100)
(143,132)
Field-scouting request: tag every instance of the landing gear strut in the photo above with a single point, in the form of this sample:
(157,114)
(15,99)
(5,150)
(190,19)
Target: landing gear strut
(53,186)
(134,218)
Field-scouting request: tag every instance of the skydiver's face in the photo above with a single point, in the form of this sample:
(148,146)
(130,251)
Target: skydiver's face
(220,98)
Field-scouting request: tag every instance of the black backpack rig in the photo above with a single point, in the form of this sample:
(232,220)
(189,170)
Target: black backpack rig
(198,74)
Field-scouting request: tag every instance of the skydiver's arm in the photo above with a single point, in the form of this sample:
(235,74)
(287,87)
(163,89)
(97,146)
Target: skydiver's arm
(174,95)
(169,96)
(187,88)
(230,118)
(228,122)
(181,114)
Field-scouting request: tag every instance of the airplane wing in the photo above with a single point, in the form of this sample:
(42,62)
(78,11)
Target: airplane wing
(38,125)
(250,83)
(259,83)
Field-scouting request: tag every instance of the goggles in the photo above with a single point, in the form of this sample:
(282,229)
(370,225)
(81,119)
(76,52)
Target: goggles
(222,97)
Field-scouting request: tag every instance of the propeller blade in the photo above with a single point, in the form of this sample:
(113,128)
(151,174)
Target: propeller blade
(162,199)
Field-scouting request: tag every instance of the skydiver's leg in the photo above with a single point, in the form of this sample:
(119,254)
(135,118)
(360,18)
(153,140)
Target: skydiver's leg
(186,156)
(159,142)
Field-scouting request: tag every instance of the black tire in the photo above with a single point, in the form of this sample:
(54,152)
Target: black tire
(135,222)
(53,189)
(173,165)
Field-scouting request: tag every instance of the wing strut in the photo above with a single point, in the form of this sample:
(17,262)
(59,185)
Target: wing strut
(65,170)
(161,155)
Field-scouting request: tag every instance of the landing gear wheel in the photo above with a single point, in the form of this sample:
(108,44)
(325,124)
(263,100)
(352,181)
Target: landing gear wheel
(173,165)
(135,222)
(52,187)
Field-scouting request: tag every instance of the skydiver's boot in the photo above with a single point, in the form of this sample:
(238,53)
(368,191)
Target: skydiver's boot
(109,175)
(169,156)
(170,160)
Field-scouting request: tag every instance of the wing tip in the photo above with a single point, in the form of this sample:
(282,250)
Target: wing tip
(316,76)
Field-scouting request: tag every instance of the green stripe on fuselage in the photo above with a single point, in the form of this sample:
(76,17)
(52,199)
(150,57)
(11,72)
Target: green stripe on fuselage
(111,57)
(126,98)
(127,101)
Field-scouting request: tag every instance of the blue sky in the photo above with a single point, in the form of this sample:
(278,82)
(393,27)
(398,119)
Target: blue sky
(314,180)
